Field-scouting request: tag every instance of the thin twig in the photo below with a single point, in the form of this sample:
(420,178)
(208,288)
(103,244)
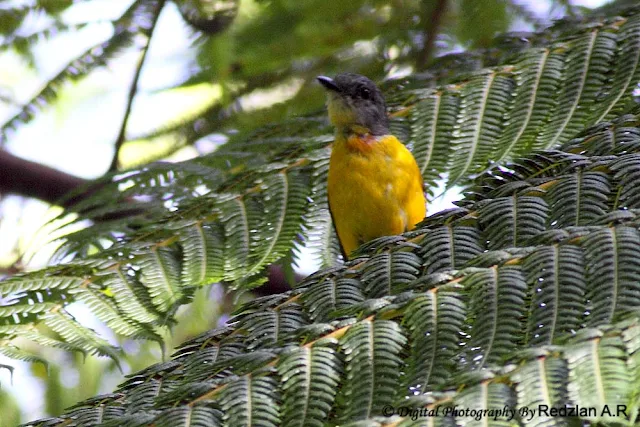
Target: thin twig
(431,25)
(133,89)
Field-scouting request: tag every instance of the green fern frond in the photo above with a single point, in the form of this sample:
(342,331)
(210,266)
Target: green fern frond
(15,353)
(627,169)
(78,336)
(625,72)
(541,74)
(432,122)
(278,325)
(480,121)
(330,293)
(512,221)
(322,239)
(556,276)
(449,248)
(542,381)
(575,79)
(598,372)
(486,395)
(579,198)
(202,245)
(161,277)
(130,296)
(383,272)
(190,416)
(434,320)
(612,269)
(310,378)
(250,400)
(372,349)
(497,305)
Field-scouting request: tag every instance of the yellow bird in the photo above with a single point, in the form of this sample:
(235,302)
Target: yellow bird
(374,186)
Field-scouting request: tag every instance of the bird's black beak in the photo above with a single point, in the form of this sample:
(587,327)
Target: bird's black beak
(328,83)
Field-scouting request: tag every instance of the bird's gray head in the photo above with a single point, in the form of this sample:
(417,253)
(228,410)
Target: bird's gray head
(355,104)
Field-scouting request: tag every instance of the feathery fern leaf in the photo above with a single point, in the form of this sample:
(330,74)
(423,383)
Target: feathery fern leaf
(203,263)
(556,276)
(435,320)
(190,416)
(497,305)
(542,381)
(372,349)
(626,72)
(579,198)
(310,377)
(520,303)
(448,247)
(331,293)
(432,122)
(384,271)
(540,75)
(598,373)
(250,400)
(612,271)
(486,395)
(511,221)
(480,121)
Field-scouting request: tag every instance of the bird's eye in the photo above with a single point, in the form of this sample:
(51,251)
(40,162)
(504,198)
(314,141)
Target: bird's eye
(364,93)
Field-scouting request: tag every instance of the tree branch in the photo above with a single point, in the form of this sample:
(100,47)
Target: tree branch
(32,179)
(277,282)
(133,89)
(431,25)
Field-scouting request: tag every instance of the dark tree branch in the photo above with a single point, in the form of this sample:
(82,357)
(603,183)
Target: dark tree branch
(32,179)
(431,25)
(133,90)
(277,283)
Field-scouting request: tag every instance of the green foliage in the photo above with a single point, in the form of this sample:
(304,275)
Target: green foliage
(482,21)
(525,294)
(549,317)
(229,217)
(313,376)
(9,408)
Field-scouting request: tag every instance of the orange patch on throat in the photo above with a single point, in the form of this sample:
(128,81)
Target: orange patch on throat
(361,142)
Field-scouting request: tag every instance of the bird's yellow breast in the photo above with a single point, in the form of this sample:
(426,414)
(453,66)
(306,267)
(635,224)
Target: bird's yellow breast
(374,188)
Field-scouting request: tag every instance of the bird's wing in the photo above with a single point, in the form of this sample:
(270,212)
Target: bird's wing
(333,222)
